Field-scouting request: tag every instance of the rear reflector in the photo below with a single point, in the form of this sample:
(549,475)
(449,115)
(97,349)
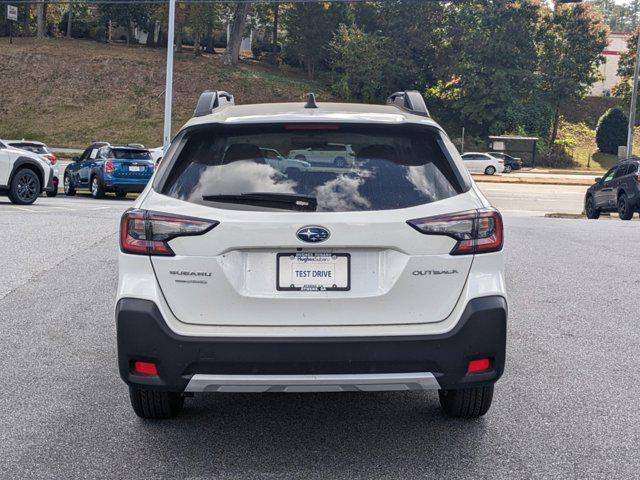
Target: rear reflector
(477,231)
(145,368)
(479,365)
(147,233)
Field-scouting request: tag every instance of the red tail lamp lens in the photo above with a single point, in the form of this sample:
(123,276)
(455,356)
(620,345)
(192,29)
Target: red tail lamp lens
(145,368)
(477,231)
(108,167)
(148,233)
(480,365)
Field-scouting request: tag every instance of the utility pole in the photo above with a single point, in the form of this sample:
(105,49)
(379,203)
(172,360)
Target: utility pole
(168,89)
(634,102)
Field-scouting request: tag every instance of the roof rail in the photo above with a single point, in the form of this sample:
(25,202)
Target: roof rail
(411,101)
(210,100)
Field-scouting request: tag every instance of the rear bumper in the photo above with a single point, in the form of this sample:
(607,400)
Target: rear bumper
(310,364)
(133,185)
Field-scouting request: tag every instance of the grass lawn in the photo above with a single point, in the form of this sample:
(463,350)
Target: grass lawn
(581,141)
(69,93)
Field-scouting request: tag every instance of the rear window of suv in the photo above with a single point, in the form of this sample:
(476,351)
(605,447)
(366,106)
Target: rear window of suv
(393,167)
(124,154)
(31,147)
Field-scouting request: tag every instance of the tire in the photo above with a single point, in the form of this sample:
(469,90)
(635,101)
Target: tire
(54,192)
(121,194)
(154,404)
(590,209)
(67,185)
(25,187)
(507,169)
(625,211)
(490,170)
(471,402)
(97,190)
(340,162)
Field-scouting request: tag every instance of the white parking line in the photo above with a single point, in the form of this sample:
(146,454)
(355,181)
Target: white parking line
(25,209)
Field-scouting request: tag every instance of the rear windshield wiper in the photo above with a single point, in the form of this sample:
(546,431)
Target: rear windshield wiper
(289,201)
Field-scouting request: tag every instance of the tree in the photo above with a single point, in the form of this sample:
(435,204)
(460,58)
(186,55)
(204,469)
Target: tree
(619,18)
(201,19)
(69,19)
(41,20)
(611,131)
(626,66)
(571,52)
(125,14)
(362,71)
(492,55)
(231,55)
(310,28)
(417,40)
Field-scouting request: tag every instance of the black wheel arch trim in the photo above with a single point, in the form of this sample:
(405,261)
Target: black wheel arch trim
(21,162)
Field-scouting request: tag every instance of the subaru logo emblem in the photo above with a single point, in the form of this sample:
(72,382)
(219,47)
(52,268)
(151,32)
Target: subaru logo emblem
(313,234)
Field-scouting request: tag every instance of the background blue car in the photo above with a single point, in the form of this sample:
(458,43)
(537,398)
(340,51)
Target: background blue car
(109,168)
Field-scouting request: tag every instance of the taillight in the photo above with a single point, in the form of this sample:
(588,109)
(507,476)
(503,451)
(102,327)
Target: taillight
(477,231)
(108,167)
(638,178)
(52,158)
(147,233)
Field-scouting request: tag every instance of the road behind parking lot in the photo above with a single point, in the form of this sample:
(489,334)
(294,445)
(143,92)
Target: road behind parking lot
(566,407)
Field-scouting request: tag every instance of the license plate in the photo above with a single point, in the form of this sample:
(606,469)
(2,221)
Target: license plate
(135,168)
(313,272)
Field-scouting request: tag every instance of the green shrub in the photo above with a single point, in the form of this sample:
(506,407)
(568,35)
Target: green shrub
(558,155)
(611,131)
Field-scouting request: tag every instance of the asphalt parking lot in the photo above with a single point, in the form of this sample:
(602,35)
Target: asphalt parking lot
(565,408)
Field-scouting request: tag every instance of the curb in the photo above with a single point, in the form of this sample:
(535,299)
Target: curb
(533,181)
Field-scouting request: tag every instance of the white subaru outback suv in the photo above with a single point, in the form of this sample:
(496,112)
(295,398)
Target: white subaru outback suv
(24,175)
(386,275)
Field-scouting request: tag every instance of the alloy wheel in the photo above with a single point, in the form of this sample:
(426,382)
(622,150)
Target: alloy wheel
(27,188)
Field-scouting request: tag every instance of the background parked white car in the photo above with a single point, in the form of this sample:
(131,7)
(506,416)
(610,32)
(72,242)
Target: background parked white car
(477,162)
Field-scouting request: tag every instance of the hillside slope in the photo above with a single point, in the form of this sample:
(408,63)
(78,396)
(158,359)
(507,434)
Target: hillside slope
(69,93)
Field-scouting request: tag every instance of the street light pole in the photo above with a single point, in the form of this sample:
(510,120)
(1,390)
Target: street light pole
(168,89)
(634,101)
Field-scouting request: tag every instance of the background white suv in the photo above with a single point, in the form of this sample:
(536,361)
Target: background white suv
(42,150)
(234,277)
(24,175)
(325,153)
